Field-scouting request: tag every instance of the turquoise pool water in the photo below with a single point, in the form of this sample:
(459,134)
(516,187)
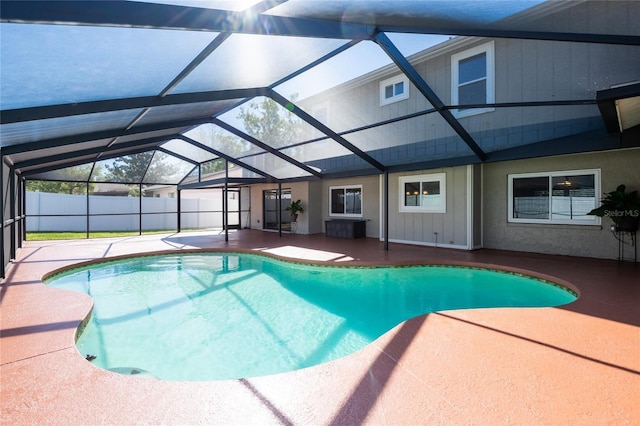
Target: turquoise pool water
(214,316)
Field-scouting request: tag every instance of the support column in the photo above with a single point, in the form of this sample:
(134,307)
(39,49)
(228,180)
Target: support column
(279,209)
(179,218)
(386,210)
(12,217)
(2,261)
(87,215)
(225,201)
(23,212)
(140,208)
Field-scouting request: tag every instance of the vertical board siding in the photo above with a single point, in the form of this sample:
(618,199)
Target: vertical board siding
(420,228)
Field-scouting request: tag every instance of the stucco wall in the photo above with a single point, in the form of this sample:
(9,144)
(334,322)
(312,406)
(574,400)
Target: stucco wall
(299,191)
(616,167)
(315,210)
(370,200)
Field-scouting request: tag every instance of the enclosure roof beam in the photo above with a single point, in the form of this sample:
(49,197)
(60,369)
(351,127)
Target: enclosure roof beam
(20,115)
(128,148)
(285,103)
(413,76)
(178,156)
(266,147)
(514,34)
(227,157)
(217,182)
(90,151)
(81,162)
(166,16)
(106,134)
(318,61)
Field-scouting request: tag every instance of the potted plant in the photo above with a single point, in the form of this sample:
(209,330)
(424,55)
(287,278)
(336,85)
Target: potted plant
(294,209)
(622,207)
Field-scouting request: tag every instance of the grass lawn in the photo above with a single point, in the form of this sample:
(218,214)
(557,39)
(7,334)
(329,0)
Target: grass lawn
(40,236)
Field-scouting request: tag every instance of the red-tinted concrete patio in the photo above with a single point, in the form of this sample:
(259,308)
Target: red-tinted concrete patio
(575,364)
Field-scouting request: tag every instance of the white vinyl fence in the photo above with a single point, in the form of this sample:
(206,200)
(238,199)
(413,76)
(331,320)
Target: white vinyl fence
(562,207)
(65,212)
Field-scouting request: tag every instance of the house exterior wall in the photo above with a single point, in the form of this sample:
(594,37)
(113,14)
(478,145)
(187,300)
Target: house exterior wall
(447,229)
(314,208)
(246,207)
(299,191)
(370,201)
(525,71)
(617,167)
(476,205)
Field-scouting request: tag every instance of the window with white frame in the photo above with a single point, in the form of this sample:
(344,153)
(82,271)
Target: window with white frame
(423,193)
(563,197)
(394,89)
(472,79)
(345,201)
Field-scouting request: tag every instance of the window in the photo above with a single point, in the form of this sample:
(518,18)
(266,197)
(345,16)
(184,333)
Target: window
(423,193)
(394,89)
(555,197)
(345,201)
(472,79)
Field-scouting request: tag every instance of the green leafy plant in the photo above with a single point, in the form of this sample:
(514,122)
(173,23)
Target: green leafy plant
(622,207)
(295,208)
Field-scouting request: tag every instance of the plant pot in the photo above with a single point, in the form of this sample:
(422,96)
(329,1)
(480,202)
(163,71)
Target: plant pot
(627,224)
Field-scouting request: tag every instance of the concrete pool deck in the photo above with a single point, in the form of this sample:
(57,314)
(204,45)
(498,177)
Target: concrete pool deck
(574,364)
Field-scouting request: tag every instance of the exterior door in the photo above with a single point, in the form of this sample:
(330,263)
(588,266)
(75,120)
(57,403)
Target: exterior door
(270,209)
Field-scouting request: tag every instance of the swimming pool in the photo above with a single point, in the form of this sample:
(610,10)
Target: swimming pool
(214,316)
